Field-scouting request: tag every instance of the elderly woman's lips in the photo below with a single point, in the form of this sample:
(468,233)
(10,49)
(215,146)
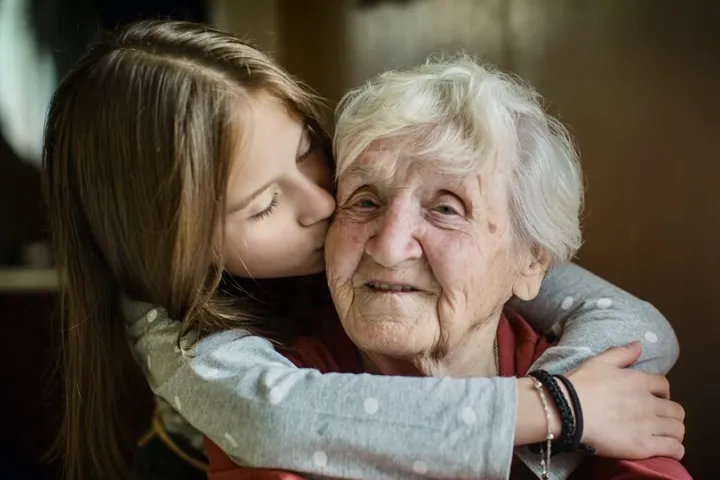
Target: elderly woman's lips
(390,287)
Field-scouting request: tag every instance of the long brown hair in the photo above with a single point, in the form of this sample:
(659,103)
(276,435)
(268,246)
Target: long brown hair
(136,156)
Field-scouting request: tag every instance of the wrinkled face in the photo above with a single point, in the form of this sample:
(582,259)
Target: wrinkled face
(416,259)
(278,198)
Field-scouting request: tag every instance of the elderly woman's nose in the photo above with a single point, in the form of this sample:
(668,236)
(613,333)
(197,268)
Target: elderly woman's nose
(315,204)
(394,242)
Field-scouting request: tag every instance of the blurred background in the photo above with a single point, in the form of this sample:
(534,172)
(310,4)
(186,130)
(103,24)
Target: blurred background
(637,82)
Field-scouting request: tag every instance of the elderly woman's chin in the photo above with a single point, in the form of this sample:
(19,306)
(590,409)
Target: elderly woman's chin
(396,324)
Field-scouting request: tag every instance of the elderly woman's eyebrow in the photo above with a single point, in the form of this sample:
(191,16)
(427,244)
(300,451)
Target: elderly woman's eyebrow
(374,173)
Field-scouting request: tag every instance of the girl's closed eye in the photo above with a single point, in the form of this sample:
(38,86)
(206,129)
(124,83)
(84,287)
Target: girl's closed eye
(269,210)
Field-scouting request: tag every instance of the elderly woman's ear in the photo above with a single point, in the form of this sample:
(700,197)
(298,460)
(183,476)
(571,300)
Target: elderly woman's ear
(531,273)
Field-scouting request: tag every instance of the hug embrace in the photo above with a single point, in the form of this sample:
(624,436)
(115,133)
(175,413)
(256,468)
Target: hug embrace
(373,304)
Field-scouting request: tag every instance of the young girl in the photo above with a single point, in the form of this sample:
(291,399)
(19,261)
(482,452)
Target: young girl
(189,182)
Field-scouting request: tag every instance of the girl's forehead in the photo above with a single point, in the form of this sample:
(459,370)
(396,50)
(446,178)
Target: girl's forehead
(269,138)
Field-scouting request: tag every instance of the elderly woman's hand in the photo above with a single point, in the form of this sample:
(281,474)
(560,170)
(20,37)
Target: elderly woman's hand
(628,414)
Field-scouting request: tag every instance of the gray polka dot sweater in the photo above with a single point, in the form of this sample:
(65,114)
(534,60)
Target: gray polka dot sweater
(265,412)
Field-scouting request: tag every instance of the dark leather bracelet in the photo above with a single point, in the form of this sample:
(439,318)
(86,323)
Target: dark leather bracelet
(579,422)
(577,410)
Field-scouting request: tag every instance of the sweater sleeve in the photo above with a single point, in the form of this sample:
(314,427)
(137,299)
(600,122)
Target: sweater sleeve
(263,411)
(593,315)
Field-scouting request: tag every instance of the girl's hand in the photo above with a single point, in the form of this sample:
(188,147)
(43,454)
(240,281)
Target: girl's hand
(627,413)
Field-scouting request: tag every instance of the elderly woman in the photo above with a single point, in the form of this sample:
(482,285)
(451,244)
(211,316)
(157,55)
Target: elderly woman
(457,197)
(456,194)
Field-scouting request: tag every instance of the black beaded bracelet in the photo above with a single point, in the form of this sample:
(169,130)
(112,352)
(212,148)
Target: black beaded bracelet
(579,422)
(564,443)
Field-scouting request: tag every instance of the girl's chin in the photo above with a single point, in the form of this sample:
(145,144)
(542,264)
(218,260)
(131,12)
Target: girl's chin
(315,265)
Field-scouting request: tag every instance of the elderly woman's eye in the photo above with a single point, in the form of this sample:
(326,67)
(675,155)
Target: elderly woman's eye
(365,203)
(446,210)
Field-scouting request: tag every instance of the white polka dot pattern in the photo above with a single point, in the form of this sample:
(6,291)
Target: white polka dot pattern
(468,415)
(604,303)
(567,303)
(209,373)
(320,458)
(178,405)
(151,315)
(420,468)
(276,395)
(651,337)
(280,381)
(371,405)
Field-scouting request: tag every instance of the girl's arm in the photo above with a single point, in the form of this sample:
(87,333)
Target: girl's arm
(264,412)
(593,315)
